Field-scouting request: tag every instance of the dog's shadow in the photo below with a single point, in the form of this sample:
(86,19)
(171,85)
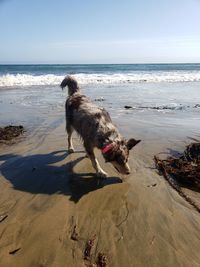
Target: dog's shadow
(38,174)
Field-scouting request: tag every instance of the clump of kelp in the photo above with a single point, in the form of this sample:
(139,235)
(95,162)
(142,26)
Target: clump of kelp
(182,171)
(10,132)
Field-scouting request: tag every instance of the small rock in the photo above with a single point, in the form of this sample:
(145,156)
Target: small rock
(128,107)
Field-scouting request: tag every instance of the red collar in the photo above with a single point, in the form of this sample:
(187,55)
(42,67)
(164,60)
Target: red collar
(107,148)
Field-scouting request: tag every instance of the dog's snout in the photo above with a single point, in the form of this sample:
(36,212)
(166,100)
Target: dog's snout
(127,169)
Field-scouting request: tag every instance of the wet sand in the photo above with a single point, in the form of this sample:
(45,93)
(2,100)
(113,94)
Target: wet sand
(47,194)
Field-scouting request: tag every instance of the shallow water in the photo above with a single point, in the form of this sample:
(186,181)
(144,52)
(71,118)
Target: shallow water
(163,110)
(164,99)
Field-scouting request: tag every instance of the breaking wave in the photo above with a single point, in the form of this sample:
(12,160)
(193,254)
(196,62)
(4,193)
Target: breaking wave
(15,80)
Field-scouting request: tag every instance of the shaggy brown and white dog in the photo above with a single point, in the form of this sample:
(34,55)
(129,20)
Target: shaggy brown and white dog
(96,129)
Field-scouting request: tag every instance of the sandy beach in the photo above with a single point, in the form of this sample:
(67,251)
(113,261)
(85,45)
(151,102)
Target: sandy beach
(53,203)
(139,62)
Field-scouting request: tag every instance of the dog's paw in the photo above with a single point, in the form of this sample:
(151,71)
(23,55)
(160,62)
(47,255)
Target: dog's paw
(71,150)
(101,174)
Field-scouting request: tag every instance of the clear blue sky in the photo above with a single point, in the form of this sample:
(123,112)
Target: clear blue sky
(101,31)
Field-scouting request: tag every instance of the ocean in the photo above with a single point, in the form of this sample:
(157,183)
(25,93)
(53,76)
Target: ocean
(148,100)
(28,75)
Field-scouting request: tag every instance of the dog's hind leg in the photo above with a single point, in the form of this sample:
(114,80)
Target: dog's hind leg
(69,129)
(99,172)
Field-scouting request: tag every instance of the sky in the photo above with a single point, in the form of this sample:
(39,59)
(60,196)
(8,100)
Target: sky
(101,31)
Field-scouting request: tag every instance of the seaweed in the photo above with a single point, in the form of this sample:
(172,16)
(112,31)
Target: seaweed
(102,260)
(88,248)
(183,171)
(74,235)
(9,132)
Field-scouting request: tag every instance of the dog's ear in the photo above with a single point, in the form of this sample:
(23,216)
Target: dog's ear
(131,143)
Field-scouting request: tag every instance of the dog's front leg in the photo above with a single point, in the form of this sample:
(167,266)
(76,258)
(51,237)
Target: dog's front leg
(99,172)
(69,132)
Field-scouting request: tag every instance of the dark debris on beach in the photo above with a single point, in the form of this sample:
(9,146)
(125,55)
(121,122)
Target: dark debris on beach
(102,260)
(183,171)
(10,132)
(163,107)
(186,168)
(88,248)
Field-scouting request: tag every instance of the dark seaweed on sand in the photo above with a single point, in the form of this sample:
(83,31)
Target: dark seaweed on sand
(102,260)
(9,132)
(183,171)
(88,248)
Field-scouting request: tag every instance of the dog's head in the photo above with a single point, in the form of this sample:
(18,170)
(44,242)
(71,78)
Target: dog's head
(117,154)
(72,84)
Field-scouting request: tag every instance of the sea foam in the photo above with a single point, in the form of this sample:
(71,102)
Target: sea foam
(15,80)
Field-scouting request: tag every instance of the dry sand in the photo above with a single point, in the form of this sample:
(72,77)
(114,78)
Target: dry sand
(47,194)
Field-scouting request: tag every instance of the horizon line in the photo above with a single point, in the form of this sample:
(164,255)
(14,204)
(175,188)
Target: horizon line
(153,63)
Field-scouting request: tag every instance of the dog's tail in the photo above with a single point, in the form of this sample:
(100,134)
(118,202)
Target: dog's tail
(72,84)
